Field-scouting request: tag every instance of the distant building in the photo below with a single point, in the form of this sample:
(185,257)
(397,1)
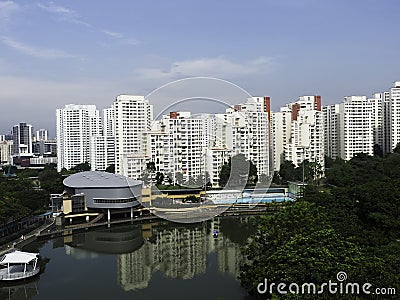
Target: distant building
(175,145)
(244,129)
(356,129)
(132,117)
(22,140)
(298,132)
(356,125)
(42,135)
(75,125)
(280,131)
(331,130)
(45,147)
(6,151)
(394,111)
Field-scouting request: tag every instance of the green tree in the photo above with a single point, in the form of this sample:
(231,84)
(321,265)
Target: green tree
(151,166)
(159,178)
(289,172)
(81,167)
(111,169)
(179,178)
(51,180)
(238,172)
(224,174)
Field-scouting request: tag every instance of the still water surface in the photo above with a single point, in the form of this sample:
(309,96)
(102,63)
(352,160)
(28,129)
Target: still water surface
(149,261)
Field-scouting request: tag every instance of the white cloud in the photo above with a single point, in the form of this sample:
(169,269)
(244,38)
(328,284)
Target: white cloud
(121,38)
(36,52)
(64,13)
(7,8)
(214,67)
(113,34)
(69,15)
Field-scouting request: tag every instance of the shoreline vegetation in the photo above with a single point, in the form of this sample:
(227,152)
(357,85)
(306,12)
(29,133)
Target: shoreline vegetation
(349,222)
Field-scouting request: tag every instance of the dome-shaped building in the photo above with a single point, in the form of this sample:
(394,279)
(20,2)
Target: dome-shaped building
(104,190)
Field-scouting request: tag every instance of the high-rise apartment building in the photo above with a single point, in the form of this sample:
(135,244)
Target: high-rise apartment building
(109,136)
(280,133)
(298,132)
(75,125)
(394,111)
(22,139)
(132,117)
(102,141)
(356,127)
(175,145)
(331,130)
(244,129)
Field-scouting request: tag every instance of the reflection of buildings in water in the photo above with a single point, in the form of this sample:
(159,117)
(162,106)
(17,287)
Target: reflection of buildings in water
(229,258)
(181,253)
(135,269)
(79,253)
(178,253)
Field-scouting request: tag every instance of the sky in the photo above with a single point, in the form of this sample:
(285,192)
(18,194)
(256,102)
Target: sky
(54,53)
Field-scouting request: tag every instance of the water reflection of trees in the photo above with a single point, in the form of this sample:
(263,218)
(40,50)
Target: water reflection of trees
(180,252)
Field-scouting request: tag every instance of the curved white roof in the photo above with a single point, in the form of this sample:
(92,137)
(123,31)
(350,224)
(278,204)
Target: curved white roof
(18,257)
(96,179)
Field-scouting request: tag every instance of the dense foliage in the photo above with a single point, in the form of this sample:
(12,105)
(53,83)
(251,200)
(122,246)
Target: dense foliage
(307,171)
(238,172)
(352,224)
(28,192)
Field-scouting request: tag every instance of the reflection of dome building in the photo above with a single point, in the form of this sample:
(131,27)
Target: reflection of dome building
(118,240)
(105,190)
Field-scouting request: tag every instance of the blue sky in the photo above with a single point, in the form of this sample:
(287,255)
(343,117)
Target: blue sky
(57,52)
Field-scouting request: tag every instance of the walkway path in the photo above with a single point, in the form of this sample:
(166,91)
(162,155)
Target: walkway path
(18,243)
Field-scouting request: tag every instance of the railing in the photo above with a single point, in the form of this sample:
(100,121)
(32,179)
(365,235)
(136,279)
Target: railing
(19,275)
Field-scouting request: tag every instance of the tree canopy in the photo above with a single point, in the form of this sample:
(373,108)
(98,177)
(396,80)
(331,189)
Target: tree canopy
(352,225)
(238,171)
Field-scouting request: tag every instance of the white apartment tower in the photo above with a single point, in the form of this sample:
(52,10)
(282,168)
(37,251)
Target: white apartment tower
(109,136)
(132,117)
(175,145)
(394,111)
(298,132)
(75,125)
(356,127)
(244,129)
(102,143)
(331,130)
(281,123)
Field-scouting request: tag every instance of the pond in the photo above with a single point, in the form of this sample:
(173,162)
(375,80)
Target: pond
(160,260)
